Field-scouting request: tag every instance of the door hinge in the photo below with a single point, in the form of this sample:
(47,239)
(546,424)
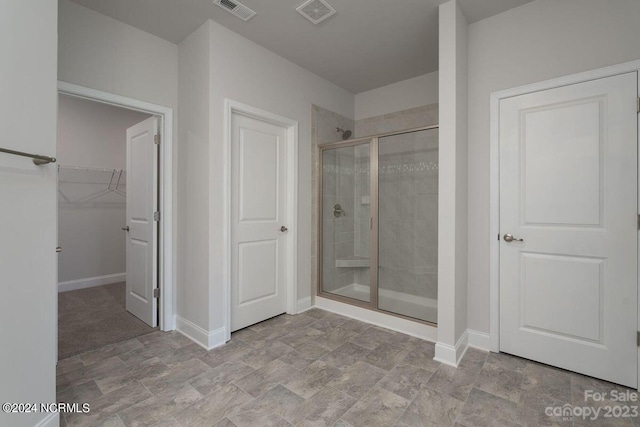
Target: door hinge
(638,105)
(156,293)
(156,139)
(156,216)
(638,221)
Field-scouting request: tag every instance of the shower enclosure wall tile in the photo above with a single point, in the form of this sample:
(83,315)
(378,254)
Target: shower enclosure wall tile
(426,115)
(408,210)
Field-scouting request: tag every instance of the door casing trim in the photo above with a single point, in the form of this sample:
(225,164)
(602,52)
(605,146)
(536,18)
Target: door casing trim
(167,258)
(233,107)
(494,177)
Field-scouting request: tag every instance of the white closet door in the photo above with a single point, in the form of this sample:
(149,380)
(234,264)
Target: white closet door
(142,236)
(569,189)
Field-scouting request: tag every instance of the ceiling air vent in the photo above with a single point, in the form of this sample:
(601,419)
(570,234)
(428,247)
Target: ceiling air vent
(236,8)
(316,11)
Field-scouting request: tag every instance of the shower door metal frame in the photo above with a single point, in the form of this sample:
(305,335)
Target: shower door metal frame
(373,141)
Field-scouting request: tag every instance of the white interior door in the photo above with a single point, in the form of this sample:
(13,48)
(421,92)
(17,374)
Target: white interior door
(568,188)
(142,234)
(258,215)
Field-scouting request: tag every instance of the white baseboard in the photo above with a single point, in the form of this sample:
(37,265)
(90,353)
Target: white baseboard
(90,282)
(415,329)
(51,420)
(303,305)
(479,340)
(452,355)
(206,339)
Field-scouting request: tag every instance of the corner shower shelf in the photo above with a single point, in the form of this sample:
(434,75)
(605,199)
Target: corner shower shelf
(353,262)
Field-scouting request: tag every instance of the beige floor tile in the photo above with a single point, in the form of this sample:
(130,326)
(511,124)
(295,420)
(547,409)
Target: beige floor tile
(454,382)
(406,380)
(386,356)
(378,408)
(532,407)
(430,408)
(473,359)
(312,379)
(208,411)
(109,404)
(484,409)
(268,352)
(175,375)
(219,376)
(347,354)
(323,409)
(541,379)
(157,408)
(500,381)
(265,378)
(356,380)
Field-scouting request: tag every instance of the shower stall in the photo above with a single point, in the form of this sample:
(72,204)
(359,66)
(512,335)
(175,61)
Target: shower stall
(378,223)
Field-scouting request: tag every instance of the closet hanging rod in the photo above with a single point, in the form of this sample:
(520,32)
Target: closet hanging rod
(86,168)
(37,159)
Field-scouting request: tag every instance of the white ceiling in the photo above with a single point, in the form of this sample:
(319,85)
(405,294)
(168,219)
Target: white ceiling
(367,44)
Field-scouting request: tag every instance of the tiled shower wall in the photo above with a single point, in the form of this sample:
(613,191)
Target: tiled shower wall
(408,202)
(408,214)
(323,130)
(426,115)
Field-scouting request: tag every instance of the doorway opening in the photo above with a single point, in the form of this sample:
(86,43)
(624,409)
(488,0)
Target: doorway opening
(114,249)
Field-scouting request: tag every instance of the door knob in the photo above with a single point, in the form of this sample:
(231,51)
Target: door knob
(284,229)
(58,249)
(509,238)
(125,228)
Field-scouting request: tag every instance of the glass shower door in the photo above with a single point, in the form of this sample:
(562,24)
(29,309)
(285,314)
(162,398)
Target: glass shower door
(346,215)
(408,224)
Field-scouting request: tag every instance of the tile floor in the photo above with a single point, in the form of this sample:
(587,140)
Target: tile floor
(315,369)
(94,317)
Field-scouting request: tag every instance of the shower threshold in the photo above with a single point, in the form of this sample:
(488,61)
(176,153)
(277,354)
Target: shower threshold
(418,307)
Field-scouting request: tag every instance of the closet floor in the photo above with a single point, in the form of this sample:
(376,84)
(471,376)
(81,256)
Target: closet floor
(94,317)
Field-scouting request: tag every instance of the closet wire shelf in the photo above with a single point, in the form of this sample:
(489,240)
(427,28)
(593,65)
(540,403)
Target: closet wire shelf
(83,184)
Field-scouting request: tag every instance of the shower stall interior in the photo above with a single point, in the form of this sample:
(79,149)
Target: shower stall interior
(378,223)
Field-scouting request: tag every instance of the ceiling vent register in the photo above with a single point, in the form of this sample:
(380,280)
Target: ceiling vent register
(236,8)
(316,11)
